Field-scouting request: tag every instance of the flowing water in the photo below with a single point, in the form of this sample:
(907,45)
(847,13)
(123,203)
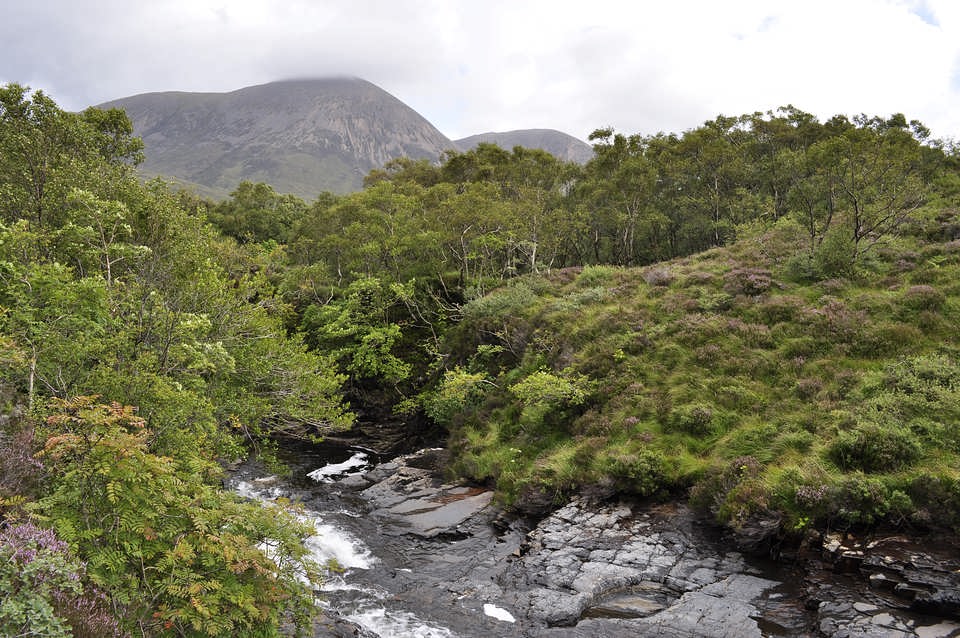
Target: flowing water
(353,590)
(399,585)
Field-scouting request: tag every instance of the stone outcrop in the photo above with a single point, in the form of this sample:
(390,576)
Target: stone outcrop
(614,570)
(447,555)
(884,586)
(411,499)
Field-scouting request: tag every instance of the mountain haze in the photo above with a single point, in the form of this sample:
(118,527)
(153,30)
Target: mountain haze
(301,136)
(560,145)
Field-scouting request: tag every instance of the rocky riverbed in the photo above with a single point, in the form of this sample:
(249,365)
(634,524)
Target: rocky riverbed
(439,559)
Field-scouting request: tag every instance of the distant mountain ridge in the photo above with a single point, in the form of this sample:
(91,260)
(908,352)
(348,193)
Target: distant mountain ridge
(300,136)
(560,145)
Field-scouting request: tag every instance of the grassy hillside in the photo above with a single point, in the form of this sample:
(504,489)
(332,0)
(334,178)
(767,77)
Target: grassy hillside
(772,398)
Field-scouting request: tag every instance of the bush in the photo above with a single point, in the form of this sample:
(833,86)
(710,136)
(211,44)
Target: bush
(643,472)
(808,388)
(923,297)
(865,501)
(834,256)
(937,498)
(885,339)
(42,589)
(747,281)
(593,276)
(871,447)
(696,419)
(460,390)
(836,322)
(20,471)
(780,308)
(731,493)
(182,555)
(658,276)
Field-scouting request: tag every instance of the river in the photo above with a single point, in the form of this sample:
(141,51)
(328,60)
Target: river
(613,569)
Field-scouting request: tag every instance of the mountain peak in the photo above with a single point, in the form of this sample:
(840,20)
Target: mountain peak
(300,135)
(303,136)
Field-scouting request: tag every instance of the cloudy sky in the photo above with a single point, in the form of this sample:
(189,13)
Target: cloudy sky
(471,66)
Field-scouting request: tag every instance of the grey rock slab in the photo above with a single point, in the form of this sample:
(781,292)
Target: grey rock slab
(945,629)
(445,517)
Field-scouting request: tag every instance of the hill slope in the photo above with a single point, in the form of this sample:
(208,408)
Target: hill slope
(783,402)
(301,136)
(558,144)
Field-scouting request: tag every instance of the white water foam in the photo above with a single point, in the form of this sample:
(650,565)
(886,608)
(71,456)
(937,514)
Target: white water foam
(261,489)
(331,543)
(396,624)
(328,473)
(498,612)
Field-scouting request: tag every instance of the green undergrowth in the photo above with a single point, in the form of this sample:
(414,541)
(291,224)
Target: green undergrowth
(755,387)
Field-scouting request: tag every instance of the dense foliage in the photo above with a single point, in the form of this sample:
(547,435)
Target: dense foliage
(114,289)
(759,312)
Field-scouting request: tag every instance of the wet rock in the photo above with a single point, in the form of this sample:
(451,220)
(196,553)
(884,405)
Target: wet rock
(408,498)
(332,627)
(911,593)
(619,569)
(609,569)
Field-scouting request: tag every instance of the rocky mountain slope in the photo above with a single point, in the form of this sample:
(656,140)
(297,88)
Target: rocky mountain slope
(558,144)
(300,136)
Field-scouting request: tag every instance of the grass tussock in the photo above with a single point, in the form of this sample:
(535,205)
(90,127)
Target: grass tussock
(732,376)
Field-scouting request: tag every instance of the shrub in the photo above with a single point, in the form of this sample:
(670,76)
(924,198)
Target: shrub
(20,470)
(799,348)
(780,308)
(512,299)
(643,472)
(714,301)
(593,276)
(808,388)
(696,419)
(834,257)
(871,447)
(755,335)
(658,276)
(712,492)
(544,393)
(546,388)
(923,297)
(579,298)
(460,390)
(837,322)
(885,339)
(698,278)
(42,590)
(864,501)
(937,497)
(747,281)
(168,544)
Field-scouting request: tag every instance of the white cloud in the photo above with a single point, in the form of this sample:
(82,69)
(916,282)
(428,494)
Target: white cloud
(471,67)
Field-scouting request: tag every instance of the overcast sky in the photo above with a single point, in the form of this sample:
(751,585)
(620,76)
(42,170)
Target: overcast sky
(472,66)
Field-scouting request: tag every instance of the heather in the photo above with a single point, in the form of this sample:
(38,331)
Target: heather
(762,394)
(756,316)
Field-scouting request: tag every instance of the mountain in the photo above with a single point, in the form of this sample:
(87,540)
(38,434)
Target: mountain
(300,136)
(558,144)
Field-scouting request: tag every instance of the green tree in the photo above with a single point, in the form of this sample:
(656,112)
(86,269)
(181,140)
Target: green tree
(256,213)
(178,556)
(45,152)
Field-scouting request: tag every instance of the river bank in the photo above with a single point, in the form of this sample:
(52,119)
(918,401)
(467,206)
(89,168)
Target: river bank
(422,557)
